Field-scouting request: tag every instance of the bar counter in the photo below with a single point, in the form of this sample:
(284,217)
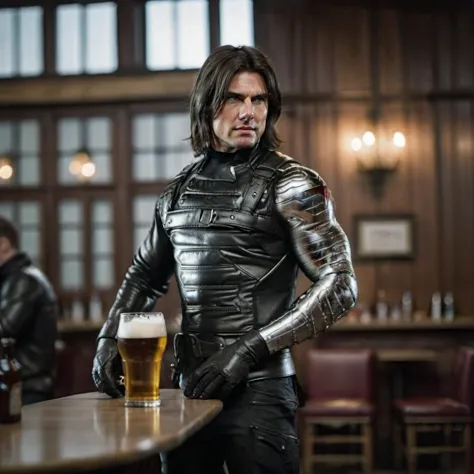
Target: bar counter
(90,431)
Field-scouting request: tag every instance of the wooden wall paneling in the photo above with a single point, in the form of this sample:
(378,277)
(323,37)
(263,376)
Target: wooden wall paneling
(398,192)
(395,277)
(277,46)
(284,127)
(390,52)
(443,45)
(301,136)
(323,143)
(464,58)
(318,29)
(463,208)
(351,191)
(426,269)
(418,51)
(444,192)
(351,49)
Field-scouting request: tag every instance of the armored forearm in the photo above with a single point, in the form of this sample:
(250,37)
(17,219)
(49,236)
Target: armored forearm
(323,252)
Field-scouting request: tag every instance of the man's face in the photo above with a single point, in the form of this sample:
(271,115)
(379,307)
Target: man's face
(241,121)
(6,249)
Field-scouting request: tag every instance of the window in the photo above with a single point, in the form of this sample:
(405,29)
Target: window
(20,142)
(236,22)
(160,148)
(143,215)
(71,244)
(177,34)
(102,244)
(92,135)
(86,38)
(21,41)
(77,268)
(26,216)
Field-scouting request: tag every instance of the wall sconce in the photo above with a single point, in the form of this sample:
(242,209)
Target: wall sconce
(82,165)
(378,157)
(378,152)
(6,168)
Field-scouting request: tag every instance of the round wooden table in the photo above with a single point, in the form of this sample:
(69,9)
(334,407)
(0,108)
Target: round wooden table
(91,431)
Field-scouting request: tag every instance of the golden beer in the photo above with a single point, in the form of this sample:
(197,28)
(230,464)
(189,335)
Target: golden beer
(141,343)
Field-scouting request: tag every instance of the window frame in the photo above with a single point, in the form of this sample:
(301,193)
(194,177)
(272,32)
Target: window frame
(131,45)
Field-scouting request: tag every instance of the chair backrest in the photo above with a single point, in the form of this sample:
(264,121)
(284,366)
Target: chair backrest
(340,373)
(463,376)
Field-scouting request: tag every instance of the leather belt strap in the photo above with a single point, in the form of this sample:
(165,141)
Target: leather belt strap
(190,350)
(208,217)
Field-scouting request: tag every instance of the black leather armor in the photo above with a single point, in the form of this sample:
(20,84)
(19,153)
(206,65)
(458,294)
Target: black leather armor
(235,228)
(28,313)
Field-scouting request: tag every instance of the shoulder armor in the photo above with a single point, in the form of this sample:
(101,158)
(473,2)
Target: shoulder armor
(298,182)
(167,198)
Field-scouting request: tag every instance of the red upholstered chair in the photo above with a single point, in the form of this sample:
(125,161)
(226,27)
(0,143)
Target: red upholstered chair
(340,391)
(445,416)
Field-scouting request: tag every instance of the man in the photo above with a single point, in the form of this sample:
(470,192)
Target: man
(235,227)
(28,314)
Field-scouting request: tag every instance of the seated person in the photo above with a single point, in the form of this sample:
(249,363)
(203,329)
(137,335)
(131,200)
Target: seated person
(28,314)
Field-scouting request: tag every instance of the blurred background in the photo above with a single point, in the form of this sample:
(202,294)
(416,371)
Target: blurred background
(378,98)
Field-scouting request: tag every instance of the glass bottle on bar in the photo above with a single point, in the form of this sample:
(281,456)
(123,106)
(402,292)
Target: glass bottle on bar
(448,307)
(10,383)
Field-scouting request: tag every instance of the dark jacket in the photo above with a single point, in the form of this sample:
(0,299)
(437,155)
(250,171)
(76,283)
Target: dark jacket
(235,229)
(28,313)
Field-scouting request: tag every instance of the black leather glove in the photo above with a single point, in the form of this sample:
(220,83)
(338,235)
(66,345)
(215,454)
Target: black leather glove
(107,368)
(218,375)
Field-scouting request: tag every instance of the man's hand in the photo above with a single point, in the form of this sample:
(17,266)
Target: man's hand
(105,372)
(218,375)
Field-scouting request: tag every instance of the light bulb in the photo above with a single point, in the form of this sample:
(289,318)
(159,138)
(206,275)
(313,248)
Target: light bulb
(368,138)
(6,172)
(356,144)
(88,169)
(399,139)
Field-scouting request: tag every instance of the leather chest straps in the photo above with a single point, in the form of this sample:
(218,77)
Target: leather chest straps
(244,216)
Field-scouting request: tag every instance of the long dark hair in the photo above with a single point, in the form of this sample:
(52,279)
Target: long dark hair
(212,84)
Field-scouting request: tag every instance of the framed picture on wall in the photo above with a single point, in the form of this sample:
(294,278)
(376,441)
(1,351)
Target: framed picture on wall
(384,237)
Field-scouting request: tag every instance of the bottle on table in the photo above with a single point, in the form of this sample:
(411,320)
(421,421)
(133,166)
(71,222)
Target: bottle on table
(436,307)
(448,307)
(10,383)
(381,306)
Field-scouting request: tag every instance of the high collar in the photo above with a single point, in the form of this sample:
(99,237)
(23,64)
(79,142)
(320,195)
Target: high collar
(19,260)
(244,155)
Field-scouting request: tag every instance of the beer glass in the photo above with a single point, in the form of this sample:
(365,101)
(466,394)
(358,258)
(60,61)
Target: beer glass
(141,343)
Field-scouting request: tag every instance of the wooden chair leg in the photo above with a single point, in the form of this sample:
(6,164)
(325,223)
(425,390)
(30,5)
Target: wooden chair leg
(467,446)
(411,432)
(308,447)
(368,448)
(397,445)
(448,440)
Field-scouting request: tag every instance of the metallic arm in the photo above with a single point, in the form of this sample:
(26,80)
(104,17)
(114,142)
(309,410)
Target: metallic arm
(323,253)
(146,279)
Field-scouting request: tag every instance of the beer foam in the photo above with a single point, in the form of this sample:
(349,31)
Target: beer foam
(142,328)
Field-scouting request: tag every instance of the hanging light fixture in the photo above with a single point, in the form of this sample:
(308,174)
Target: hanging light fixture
(82,166)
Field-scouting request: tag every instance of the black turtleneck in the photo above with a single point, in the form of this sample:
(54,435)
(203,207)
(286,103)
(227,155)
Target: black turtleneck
(218,163)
